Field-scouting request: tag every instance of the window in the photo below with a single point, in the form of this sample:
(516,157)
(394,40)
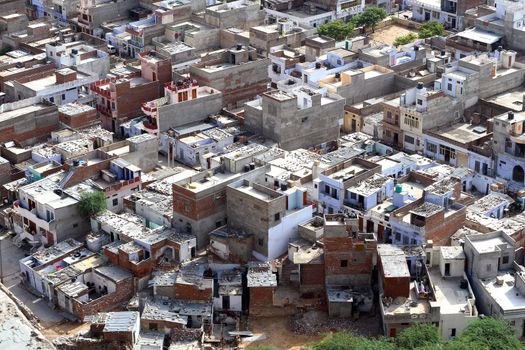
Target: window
(277,216)
(389,115)
(431,147)
(453,332)
(411,121)
(398,236)
(388,133)
(353,195)
(326,189)
(260,242)
(52,99)
(409,139)
(335,194)
(449,87)
(505,259)
(115,201)
(75,225)
(405,240)
(344,263)
(419,101)
(304,119)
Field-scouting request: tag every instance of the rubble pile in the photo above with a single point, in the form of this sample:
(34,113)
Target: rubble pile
(185,334)
(317,323)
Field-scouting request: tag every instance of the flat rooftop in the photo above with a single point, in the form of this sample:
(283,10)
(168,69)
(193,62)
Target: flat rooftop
(490,245)
(462,132)
(511,100)
(5,116)
(258,194)
(506,295)
(451,298)
(348,172)
(412,305)
(426,209)
(74,108)
(489,202)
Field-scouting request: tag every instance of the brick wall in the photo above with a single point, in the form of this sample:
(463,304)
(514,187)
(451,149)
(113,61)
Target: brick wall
(348,262)
(191,292)
(186,203)
(260,298)
(79,120)
(86,171)
(396,287)
(124,292)
(312,274)
(441,232)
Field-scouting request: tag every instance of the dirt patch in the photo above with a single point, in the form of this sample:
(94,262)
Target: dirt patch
(278,333)
(65,328)
(388,34)
(16,332)
(318,323)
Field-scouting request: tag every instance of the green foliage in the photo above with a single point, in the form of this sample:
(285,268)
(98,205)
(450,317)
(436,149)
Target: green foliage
(405,39)
(430,29)
(418,336)
(490,334)
(349,341)
(370,17)
(91,203)
(337,30)
(486,334)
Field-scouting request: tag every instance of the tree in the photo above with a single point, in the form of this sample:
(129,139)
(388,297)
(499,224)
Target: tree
(420,335)
(337,30)
(370,17)
(405,39)
(91,203)
(349,341)
(490,334)
(430,29)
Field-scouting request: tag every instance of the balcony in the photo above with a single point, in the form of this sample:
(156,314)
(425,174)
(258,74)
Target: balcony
(517,138)
(32,216)
(105,111)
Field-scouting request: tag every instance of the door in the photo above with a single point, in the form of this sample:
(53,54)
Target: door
(225,302)
(380,229)
(518,174)
(369,226)
(447,269)
(427,16)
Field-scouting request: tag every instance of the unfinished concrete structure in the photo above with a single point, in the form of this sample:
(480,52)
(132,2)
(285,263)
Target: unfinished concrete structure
(199,202)
(299,118)
(237,72)
(120,99)
(509,146)
(349,260)
(28,121)
(271,216)
(184,102)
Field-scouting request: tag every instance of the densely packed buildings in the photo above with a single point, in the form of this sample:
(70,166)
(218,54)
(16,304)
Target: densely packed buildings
(234,163)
